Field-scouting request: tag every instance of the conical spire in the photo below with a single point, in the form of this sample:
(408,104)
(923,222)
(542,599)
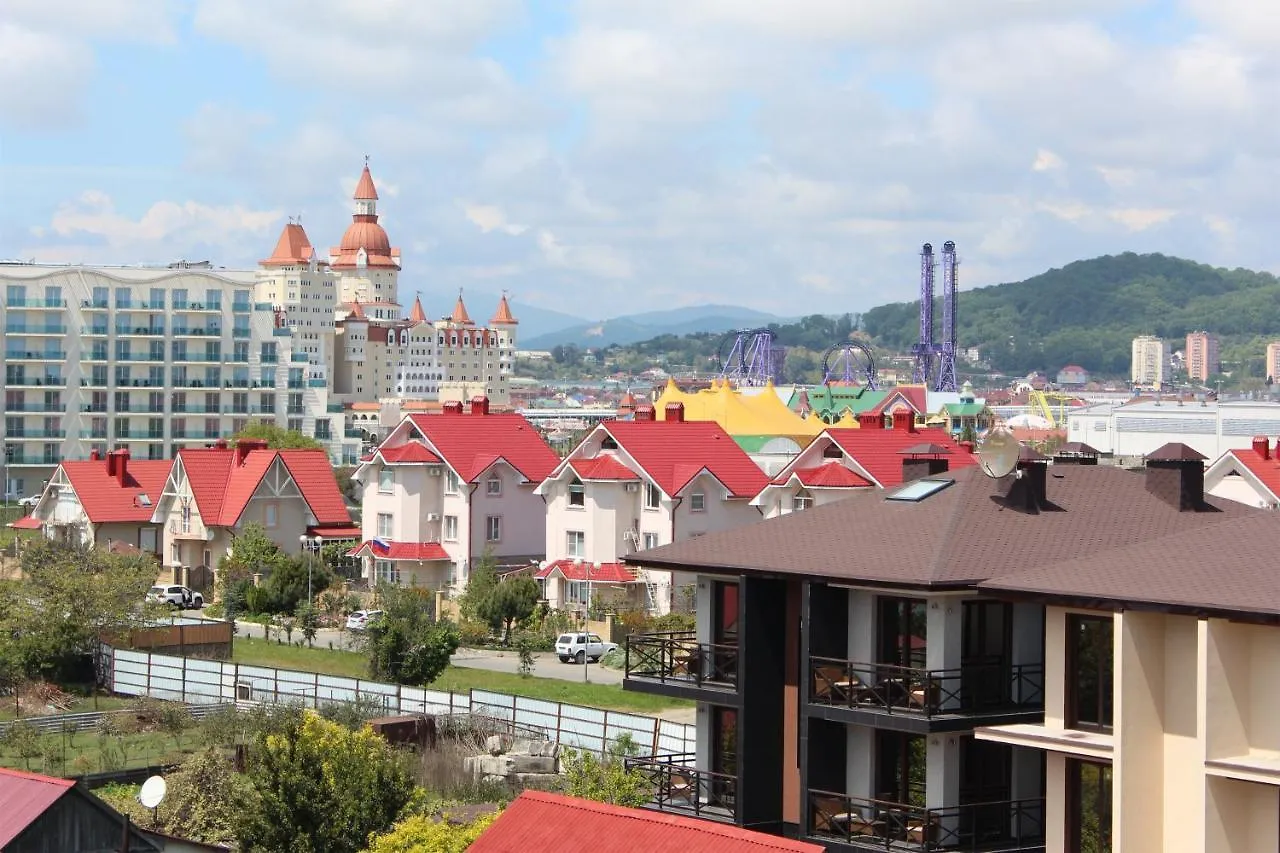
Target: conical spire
(503,317)
(292,248)
(365,190)
(357,312)
(417,315)
(460,315)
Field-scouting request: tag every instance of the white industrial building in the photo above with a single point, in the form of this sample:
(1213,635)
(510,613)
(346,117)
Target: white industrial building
(1136,429)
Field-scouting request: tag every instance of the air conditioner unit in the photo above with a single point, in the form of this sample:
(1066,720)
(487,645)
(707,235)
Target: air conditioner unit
(433,516)
(632,487)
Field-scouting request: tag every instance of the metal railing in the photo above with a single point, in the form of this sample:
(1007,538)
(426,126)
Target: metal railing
(676,785)
(1006,825)
(677,657)
(968,689)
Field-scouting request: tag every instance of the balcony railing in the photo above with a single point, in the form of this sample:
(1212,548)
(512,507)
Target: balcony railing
(149,331)
(36,381)
(46,329)
(969,689)
(675,785)
(1006,825)
(32,355)
(677,657)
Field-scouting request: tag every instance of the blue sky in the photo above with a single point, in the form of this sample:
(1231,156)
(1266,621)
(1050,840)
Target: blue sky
(611,156)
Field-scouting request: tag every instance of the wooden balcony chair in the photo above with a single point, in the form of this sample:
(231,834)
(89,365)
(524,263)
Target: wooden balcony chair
(834,684)
(680,787)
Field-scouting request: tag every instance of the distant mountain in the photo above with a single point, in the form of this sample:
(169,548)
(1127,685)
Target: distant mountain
(534,321)
(639,327)
(1088,312)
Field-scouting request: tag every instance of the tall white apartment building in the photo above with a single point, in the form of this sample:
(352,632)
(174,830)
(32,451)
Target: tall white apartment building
(1151,361)
(147,358)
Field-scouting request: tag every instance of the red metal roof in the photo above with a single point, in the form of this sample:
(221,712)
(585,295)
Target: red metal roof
(222,488)
(471,443)
(673,452)
(346,531)
(105,499)
(1266,470)
(27,522)
(604,467)
(26,796)
(832,475)
(587,571)
(538,820)
(878,451)
(365,190)
(409,453)
(914,395)
(293,248)
(386,550)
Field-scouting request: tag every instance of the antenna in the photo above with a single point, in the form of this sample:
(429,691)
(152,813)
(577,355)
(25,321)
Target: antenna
(152,793)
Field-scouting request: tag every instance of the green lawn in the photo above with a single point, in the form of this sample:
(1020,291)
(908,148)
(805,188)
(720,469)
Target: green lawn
(85,705)
(62,754)
(457,679)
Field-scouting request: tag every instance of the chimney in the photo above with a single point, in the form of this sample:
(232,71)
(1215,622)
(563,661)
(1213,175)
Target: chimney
(221,444)
(245,446)
(1175,474)
(868,420)
(924,460)
(644,413)
(453,407)
(1076,453)
(674,412)
(121,466)
(94,455)
(1262,446)
(111,463)
(480,405)
(904,421)
(1030,490)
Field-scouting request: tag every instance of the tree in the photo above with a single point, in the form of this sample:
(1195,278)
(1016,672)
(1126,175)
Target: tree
(320,788)
(68,598)
(277,437)
(606,779)
(405,644)
(253,552)
(426,834)
(483,580)
(512,600)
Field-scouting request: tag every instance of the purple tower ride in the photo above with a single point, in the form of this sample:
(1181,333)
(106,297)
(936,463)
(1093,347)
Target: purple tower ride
(947,350)
(922,374)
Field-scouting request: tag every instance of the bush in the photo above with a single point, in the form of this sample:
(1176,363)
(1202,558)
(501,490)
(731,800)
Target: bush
(615,659)
(472,633)
(214,611)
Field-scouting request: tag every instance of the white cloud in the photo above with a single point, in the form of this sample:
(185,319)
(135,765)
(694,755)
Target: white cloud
(1046,161)
(598,260)
(490,217)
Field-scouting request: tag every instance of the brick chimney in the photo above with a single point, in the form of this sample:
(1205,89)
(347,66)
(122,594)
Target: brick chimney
(924,460)
(674,412)
(120,469)
(1175,474)
(480,405)
(867,420)
(904,421)
(1030,489)
(245,446)
(644,412)
(453,407)
(1262,446)
(94,455)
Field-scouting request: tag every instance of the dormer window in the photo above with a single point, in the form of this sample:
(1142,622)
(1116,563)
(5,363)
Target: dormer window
(833,451)
(493,485)
(802,500)
(577,493)
(697,502)
(608,443)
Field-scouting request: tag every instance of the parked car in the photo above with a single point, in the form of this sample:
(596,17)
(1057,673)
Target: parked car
(360,620)
(582,647)
(176,596)
(29,502)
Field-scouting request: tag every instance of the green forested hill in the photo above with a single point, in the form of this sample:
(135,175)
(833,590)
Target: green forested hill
(1088,312)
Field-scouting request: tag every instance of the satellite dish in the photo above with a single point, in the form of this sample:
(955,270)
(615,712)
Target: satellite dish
(153,791)
(998,453)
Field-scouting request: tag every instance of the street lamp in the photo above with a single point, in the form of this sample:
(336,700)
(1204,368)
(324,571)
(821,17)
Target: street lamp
(311,546)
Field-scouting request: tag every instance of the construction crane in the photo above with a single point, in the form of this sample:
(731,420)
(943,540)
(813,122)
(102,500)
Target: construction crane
(1052,405)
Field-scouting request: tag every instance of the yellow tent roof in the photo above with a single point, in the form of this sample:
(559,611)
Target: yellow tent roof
(739,414)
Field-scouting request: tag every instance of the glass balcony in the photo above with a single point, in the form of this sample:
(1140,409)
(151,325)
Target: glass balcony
(281,331)
(317,383)
(972,689)
(35,302)
(352,433)
(28,355)
(263,306)
(333,407)
(675,785)
(241,307)
(239,333)
(44,329)
(879,824)
(95,304)
(98,330)
(34,407)
(140,356)
(676,657)
(139,435)
(151,305)
(93,433)
(36,381)
(36,433)
(130,330)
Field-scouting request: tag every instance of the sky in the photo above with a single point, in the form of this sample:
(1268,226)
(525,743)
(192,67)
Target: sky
(604,157)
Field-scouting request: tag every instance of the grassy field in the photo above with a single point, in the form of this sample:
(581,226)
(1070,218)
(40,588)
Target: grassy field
(64,754)
(456,679)
(86,704)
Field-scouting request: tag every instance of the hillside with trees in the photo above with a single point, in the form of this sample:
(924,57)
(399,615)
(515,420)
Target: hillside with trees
(1088,312)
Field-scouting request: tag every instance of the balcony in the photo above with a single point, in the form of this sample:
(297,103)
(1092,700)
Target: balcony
(333,407)
(34,407)
(241,307)
(263,306)
(197,331)
(240,333)
(349,432)
(93,433)
(867,824)
(675,663)
(317,383)
(28,355)
(46,329)
(12,459)
(36,381)
(139,435)
(22,302)
(95,304)
(36,433)
(128,330)
(974,690)
(676,786)
(96,331)
(155,358)
(281,332)
(197,306)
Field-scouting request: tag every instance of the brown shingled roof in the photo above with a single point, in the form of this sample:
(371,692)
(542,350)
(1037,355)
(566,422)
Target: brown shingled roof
(1175,452)
(969,533)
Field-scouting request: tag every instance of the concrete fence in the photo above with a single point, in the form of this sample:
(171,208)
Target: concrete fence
(194,680)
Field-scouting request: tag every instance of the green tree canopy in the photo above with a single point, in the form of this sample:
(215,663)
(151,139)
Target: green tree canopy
(277,437)
(606,778)
(427,834)
(319,787)
(510,601)
(406,645)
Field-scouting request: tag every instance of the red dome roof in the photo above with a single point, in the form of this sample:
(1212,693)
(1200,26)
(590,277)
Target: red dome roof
(367,235)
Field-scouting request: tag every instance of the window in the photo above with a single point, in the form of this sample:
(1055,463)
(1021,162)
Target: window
(652,496)
(270,513)
(386,481)
(802,500)
(385,522)
(577,493)
(493,528)
(450,528)
(1088,806)
(386,571)
(1089,662)
(697,502)
(650,540)
(493,485)
(451,483)
(577,592)
(575,543)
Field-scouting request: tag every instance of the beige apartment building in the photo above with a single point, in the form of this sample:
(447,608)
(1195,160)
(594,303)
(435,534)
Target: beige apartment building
(1202,356)
(1151,359)
(1273,360)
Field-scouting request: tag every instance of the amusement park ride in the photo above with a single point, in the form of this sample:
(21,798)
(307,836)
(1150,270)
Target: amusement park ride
(746,356)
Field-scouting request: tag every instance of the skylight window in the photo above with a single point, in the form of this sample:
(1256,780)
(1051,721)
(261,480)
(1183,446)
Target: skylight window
(918,490)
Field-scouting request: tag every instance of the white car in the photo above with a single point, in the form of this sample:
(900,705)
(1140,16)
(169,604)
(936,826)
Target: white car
(176,596)
(580,648)
(360,620)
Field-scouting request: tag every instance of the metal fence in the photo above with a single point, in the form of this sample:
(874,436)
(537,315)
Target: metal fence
(88,720)
(198,681)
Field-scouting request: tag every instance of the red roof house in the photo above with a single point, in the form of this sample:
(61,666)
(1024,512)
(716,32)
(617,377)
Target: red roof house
(538,820)
(1249,476)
